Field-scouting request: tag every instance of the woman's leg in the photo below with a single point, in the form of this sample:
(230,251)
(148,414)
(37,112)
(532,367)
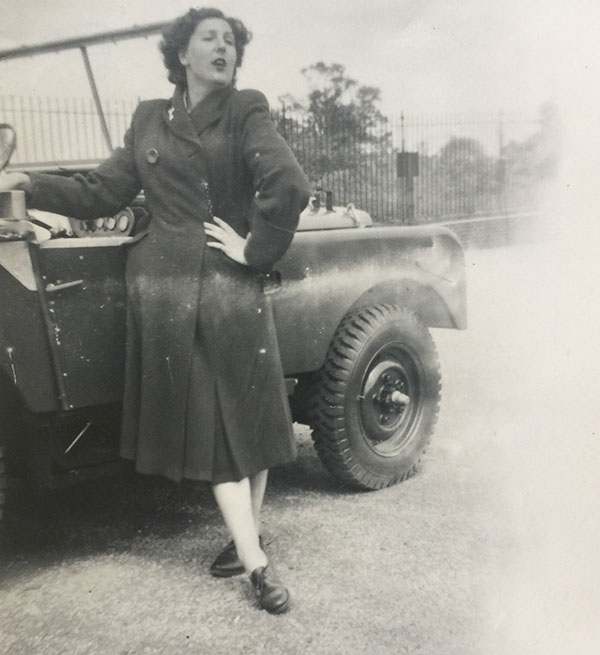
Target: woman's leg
(236,504)
(237,501)
(258,484)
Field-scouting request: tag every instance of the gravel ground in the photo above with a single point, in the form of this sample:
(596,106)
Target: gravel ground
(488,550)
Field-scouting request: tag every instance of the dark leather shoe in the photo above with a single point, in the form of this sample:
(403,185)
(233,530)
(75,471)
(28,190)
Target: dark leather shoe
(272,595)
(227,564)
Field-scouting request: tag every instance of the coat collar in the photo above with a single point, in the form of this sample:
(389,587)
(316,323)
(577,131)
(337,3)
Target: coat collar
(207,111)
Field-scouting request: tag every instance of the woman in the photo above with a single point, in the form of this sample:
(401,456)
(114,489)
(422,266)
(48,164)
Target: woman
(204,391)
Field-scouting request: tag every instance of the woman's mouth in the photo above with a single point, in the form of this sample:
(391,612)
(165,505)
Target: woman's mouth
(219,63)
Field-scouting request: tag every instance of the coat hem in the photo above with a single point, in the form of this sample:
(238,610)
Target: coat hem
(207,477)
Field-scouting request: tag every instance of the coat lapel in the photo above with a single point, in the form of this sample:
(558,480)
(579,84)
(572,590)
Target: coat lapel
(210,110)
(189,126)
(178,120)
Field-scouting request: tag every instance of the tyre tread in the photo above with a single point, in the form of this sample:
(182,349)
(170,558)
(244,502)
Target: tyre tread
(326,408)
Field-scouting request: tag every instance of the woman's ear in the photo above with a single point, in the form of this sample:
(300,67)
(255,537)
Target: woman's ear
(182,56)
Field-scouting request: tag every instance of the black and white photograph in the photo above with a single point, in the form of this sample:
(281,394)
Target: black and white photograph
(298,327)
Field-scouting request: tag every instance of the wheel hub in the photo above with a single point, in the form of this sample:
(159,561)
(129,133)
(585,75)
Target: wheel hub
(385,400)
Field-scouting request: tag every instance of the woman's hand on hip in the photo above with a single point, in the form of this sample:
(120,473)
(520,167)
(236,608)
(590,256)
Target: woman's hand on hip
(226,239)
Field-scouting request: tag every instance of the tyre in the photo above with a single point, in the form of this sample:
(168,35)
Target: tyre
(376,402)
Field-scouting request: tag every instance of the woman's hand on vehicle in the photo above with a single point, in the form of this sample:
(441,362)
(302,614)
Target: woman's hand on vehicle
(15,181)
(226,240)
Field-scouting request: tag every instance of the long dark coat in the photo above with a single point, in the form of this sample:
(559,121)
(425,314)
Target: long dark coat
(204,391)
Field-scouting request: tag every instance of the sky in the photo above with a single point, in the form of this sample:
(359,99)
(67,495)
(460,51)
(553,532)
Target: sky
(432,57)
(426,56)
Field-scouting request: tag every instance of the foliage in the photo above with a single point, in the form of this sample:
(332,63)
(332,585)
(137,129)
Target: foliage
(530,164)
(462,179)
(338,127)
(466,174)
(344,143)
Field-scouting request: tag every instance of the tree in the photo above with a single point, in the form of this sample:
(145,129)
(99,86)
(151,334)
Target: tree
(467,174)
(532,163)
(340,125)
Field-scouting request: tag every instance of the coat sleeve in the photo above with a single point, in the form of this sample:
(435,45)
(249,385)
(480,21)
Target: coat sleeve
(281,188)
(101,192)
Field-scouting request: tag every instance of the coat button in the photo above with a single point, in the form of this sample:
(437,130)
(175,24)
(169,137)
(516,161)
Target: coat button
(152,156)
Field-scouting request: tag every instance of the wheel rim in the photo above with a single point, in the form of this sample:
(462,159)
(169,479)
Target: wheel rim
(390,399)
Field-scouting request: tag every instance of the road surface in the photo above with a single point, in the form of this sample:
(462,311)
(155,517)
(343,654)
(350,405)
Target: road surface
(489,549)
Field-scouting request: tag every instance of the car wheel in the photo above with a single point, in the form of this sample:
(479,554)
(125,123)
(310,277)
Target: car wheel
(377,398)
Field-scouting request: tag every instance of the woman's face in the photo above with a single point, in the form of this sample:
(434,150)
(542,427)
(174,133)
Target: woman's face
(210,56)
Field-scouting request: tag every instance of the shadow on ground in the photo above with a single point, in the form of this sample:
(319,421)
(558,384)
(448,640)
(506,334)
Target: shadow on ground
(117,514)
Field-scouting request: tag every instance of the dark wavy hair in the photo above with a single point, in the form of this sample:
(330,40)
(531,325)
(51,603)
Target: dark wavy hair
(176,37)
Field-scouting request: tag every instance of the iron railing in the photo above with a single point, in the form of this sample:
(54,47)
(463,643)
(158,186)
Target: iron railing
(459,166)
(413,169)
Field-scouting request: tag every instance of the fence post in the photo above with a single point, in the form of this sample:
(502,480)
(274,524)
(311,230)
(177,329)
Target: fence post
(282,122)
(501,172)
(406,171)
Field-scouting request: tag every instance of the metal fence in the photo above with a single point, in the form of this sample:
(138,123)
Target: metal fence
(64,131)
(403,169)
(414,169)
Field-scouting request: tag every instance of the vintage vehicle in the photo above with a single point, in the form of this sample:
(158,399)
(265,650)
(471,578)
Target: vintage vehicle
(353,303)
